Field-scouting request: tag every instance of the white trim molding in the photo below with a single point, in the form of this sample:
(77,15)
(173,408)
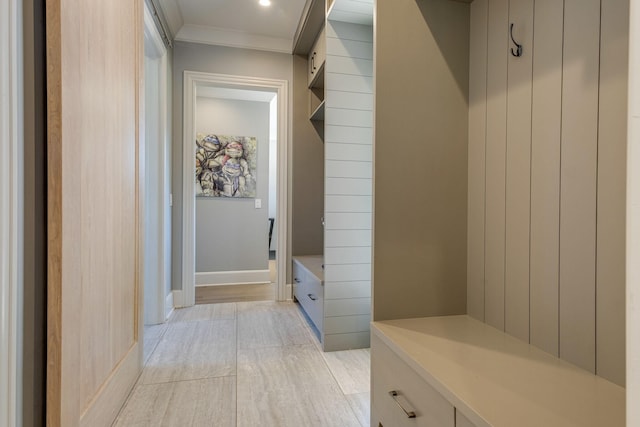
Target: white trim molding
(192,80)
(249,277)
(178,300)
(11,146)
(168,305)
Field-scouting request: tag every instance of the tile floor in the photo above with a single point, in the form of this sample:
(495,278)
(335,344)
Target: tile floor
(245,364)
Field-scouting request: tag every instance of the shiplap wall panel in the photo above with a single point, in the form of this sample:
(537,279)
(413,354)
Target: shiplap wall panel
(348,186)
(347,31)
(357,7)
(346,238)
(348,169)
(612,145)
(347,307)
(518,173)
(347,135)
(361,255)
(340,203)
(578,182)
(348,82)
(497,51)
(348,172)
(358,152)
(351,100)
(348,221)
(335,342)
(348,272)
(350,48)
(348,117)
(346,65)
(347,324)
(477,142)
(341,290)
(545,173)
(559,203)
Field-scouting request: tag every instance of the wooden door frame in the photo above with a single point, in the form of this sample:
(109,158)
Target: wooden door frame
(11,236)
(192,80)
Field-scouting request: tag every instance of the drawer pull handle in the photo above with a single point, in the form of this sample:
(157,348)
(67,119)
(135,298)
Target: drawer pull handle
(394,395)
(312,297)
(296,280)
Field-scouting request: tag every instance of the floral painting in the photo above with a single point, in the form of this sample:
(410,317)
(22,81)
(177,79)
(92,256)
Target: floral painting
(226,166)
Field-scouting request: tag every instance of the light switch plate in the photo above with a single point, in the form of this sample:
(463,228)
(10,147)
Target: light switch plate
(258,203)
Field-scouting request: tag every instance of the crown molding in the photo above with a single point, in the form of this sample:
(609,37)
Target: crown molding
(172,15)
(239,39)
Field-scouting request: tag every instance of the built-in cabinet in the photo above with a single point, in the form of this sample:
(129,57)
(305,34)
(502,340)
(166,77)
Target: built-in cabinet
(340,106)
(500,205)
(308,279)
(457,371)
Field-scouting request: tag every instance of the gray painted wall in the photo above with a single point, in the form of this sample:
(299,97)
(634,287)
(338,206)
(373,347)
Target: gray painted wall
(420,145)
(231,234)
(210,59)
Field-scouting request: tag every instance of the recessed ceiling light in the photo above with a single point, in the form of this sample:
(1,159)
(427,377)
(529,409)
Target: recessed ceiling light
(265,2)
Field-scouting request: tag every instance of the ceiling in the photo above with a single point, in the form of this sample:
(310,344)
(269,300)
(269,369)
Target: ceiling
(236,23)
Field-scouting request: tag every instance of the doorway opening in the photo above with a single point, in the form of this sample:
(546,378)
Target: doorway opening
(217,118)
(236,194)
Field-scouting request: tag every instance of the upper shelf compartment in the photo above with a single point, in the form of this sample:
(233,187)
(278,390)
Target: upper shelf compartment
(354,11)
(317,56)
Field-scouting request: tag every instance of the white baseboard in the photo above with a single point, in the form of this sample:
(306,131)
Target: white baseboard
(232,277)
(168,305)
(289,292)
(178,300)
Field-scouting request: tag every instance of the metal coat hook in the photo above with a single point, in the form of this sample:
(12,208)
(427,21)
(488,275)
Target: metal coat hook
(518,51)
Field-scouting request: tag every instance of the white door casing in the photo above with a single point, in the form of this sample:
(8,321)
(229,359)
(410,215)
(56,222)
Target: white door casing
(157,208)
(192,80)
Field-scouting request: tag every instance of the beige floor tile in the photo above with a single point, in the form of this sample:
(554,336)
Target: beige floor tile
(293,368)
(289,386)
(198,403)
(325,406)
(270,324)
(193,350)
(351,368)
(152,336)
(224,311)
(361,405)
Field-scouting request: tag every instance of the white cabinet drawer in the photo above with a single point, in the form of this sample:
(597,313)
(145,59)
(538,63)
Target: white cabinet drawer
(309,293)
(389,373)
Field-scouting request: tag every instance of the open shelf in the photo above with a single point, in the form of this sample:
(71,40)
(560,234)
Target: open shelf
(318,113)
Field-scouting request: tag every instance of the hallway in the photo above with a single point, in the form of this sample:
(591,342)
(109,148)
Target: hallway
(245,364)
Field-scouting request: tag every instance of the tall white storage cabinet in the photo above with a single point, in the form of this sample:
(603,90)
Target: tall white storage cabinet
(341,104)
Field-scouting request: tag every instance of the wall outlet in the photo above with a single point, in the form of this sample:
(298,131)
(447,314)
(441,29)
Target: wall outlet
(258,203)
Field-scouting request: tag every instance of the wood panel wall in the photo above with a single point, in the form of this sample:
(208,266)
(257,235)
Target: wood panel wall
(552,179)
(94,88)
(348,184)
